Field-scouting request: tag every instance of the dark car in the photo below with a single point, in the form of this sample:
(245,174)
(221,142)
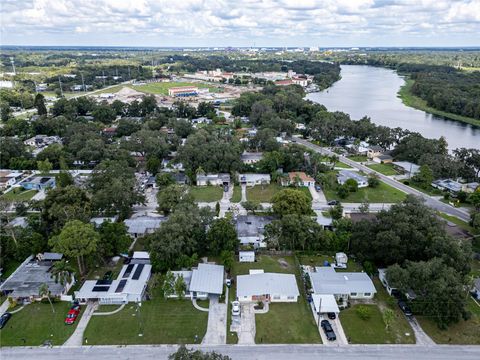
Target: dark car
(327,328)
(405,308)
(4,319)
(332,202)
(318,188)
(332,315)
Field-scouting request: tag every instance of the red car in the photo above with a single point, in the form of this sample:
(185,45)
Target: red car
(72,315)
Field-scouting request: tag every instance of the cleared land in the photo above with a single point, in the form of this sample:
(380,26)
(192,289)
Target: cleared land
(206,193)
(385,169)
(382,194)
(160,321)
(36,323)
(265,193)
(463,332)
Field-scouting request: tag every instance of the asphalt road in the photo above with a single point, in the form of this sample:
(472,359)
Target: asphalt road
(429,201)
(247,352)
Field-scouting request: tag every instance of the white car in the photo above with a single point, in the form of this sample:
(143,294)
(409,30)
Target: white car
(236,308)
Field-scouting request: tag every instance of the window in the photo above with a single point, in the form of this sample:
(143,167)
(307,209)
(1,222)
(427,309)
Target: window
(291,297)
(353,294)
(367,294)
(276,297)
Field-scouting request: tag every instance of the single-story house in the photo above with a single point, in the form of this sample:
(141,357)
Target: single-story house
(25,282)
(179,177)
(19,221)
(9,178)
(449,185)
(207,279)
(325,304)
(271,287)
(383,159)
(374,151)
(250,229)
(39,183)
(254,179)
(213,179)
(298,178)
(246,256)
(142,225)
(343,285)
(406,167)
(251,157)
(97,221)
(470,187)
(130,285)
(345,175)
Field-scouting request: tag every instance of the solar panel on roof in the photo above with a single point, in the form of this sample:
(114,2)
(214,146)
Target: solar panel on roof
(121,285)
(138,271)
(101,288)
(103,282)
(128,271)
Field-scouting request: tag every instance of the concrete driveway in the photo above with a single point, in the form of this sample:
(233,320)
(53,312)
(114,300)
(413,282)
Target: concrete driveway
(421,338)
(217,323)
(244,325)
(76,339)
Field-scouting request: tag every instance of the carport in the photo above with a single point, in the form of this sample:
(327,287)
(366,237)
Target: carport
(325,304)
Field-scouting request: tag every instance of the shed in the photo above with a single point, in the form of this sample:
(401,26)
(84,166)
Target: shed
(246,256)
(341,258)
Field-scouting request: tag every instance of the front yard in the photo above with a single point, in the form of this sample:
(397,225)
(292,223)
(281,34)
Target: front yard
(237,194)
(385,169)
(18,194)
(382,194)
(159,321)
(36,323)
(264,194)
(206,193)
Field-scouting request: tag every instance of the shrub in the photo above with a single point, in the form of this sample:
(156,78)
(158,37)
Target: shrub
(363,312)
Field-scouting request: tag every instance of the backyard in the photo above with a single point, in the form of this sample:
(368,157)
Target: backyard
(206,193)
(36,323)
(319,259)
(264,194)
(158,321)
(381,194)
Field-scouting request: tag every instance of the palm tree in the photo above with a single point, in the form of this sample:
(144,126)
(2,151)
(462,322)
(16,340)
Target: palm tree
(62,271)
(44,291)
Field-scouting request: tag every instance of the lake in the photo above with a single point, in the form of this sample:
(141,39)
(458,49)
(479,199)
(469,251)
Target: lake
(371,91)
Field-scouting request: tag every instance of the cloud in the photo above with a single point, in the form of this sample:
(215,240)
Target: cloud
(239,22)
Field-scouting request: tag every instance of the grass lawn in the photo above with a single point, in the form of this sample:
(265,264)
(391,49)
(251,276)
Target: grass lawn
(36,323)
(206,193)
(358,158)
(385,169)
(463,332)
(160,321)
(318,260)
(342,165)
(261,193)
(370,331)
(429,191)
(382,194)
(162,87)
(460,223)
(237,194)
(280,264)
(19,194)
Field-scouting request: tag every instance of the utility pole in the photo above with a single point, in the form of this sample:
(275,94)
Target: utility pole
(83,83)
(60,82)
(103,77)
(318,312)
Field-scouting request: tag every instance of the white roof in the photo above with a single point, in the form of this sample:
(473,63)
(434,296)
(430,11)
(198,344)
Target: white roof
(325,280)
(143,224)
(246,253)
(326,303)
(207,278)
(267,284)
(407,166)
(140,255)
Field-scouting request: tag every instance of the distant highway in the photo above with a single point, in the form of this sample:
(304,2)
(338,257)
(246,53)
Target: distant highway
(429,201)
(250,352)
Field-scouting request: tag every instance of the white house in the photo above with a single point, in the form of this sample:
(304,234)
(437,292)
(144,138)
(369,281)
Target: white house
(271,287)
(206,279)
(9,178)
(246,256)
(251,157)
(299,179)
(345,175)
(343,285)
(142,225)
(130,285)
(213,179)
(254,179)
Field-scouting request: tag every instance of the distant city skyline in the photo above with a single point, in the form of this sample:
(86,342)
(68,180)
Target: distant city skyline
(246,23)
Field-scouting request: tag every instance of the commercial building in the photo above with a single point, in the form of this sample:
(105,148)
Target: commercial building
(183,91)
(130,285)
(270,287)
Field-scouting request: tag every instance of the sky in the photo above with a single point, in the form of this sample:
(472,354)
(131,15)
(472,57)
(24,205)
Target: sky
(219,23)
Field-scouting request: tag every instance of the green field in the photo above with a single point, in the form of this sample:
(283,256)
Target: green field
(19,194)
(413,101)
(237,194)
(161,88)
(36,323)
(463,332)
(160,321)
(206,193)
(372,330)
(382,194)
(385,169)
(264,194)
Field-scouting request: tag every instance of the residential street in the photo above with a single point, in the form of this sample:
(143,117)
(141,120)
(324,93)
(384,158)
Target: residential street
(431,202)
(246,352)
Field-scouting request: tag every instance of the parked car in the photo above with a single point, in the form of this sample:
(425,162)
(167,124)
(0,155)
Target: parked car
(4,319)
(236,308)
(318,188)
(332,202)
(405,308)
(327,328)
(332,315)
(72,315)
(228,282)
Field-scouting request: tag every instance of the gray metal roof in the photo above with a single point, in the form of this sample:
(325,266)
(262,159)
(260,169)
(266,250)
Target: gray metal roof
(207,278)
(344,175)
(407,166)
(251,156)
(143,224)
(327,281)
(267,284)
